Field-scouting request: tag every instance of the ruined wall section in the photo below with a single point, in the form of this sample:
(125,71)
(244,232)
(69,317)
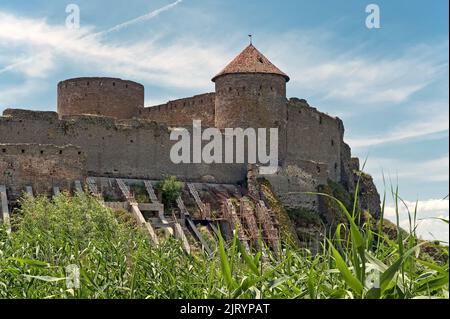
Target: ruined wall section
(349,164)
(183,111)
(100,96)
(293,180)
(313,135)
(40,166)
(115,148)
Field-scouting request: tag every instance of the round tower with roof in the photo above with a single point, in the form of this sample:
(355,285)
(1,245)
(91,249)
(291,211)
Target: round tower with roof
(251,92)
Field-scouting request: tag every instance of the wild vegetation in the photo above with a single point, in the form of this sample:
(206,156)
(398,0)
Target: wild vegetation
(170,188)
(116,260)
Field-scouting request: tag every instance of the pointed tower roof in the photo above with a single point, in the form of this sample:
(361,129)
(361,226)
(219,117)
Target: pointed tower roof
(251,61)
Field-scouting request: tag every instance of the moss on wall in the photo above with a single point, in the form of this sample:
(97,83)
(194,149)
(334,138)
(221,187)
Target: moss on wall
(332,213)
(287,229)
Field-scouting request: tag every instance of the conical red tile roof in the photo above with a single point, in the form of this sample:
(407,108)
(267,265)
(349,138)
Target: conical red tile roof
(251,61)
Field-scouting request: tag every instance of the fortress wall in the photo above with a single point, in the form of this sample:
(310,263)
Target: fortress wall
(349,164)
(115,148)
(100,96)
(40,166)
(183,111)
(294,179)
(312,135)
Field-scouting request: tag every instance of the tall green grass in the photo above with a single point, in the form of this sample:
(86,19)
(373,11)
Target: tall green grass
(116,260)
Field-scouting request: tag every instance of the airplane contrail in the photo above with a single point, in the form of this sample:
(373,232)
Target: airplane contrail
(16,64)
(142,18)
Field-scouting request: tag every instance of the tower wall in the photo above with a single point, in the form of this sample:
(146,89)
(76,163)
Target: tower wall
(253,100)
(250,100)
(100,96)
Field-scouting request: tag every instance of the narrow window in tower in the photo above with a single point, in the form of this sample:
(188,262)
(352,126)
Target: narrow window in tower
(23,151)
(4,150)
(88,84)
(320,120)
(42,152)
(60,152)
(332,142)
(114,83)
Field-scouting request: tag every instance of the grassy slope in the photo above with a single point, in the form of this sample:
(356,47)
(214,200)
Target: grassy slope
(117,261)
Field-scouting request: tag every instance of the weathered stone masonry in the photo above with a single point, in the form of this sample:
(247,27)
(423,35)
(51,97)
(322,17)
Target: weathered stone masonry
(40,166)
(100,96)
(119,137)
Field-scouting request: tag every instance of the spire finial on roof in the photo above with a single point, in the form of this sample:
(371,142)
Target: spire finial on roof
(251,40)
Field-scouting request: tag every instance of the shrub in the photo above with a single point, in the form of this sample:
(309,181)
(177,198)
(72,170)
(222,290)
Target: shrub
(170,188)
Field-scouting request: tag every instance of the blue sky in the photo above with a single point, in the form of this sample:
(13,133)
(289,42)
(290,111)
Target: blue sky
(389,85)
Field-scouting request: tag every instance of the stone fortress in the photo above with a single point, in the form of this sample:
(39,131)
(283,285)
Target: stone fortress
(102,131)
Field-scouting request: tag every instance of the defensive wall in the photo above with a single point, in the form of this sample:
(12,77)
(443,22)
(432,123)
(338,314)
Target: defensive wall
(40,166)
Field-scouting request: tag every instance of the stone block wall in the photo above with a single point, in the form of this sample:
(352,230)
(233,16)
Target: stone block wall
(183,111)
(114,148)
(40,166)
(294,179)
(100,96)
(316,136)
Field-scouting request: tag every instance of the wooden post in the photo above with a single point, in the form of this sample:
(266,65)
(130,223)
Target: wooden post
(5,209)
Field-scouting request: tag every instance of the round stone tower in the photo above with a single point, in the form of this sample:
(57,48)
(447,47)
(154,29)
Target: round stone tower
(100,96)
(251,92)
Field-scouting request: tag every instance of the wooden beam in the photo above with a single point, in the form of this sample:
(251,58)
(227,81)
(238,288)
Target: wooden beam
(56,191)
(29,191)
(151,191)
(134,207)
(179,234)
(151,207)
(141,221)
(78,187)
(197,234)
(5,209)
(205,210)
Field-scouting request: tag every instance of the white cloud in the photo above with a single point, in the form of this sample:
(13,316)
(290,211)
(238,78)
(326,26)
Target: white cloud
(434,170)
(353,76)
(421,120)
(10,94)
(185,63)
(34,66)
(427,227)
